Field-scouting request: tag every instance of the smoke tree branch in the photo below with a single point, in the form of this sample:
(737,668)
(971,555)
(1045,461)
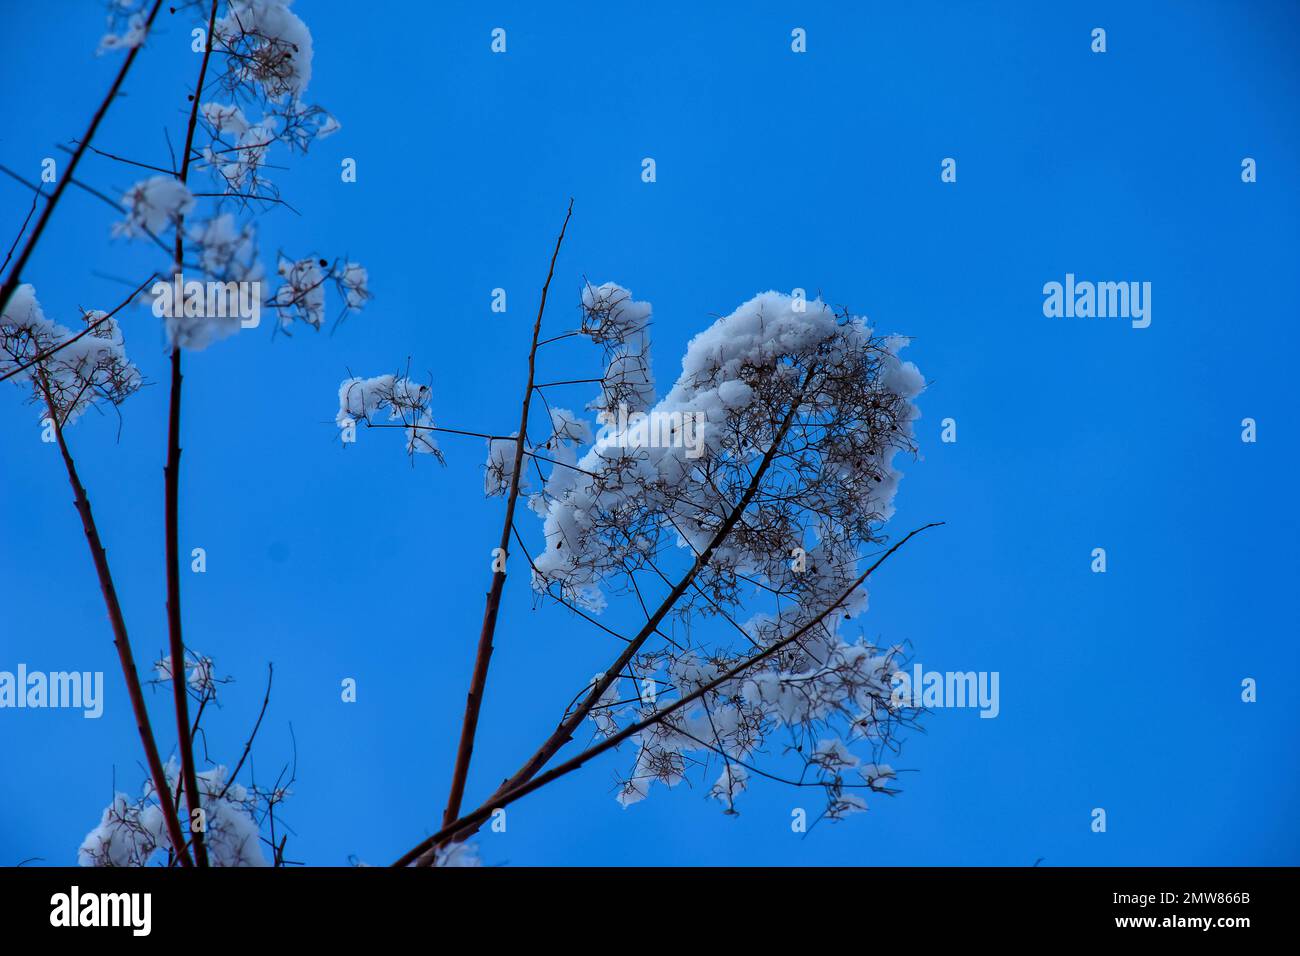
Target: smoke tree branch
(120,639)
(483,656)
(74,370)
(564,732)
(510,793)
(171,481)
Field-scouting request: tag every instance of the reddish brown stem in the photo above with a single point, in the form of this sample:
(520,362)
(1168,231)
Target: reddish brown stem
(180,685)
(171,504)
(120,639)
(483,658)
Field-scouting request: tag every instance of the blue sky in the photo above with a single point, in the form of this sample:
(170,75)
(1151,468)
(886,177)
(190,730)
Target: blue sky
(775,170)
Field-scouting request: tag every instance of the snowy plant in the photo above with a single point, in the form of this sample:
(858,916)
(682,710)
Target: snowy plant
(131,832)
(227,252)
(301,295)
(801,411)
(735,512)
(198,675)
(238,820)
(193,221)
(405,401)
(68,372)
(738,512)
(153,205)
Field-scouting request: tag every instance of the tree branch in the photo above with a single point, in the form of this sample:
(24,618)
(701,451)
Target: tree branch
(248,745)
(511,794)
(564,732)
(120,639)
(483,657)
(171,481)
(15,274)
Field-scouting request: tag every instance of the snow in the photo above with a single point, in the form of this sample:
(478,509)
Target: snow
(734,394)
(844,804)
(84,371)
(629,500)
(199,676)
(500,467)
(25,329)
(458,854)
(877,776)
(128,39)
(280,45)
(834,756)
(303,294)
(653,763)
(733,781)
(712,389)
(226,251)
(353,281)
(612,318)
(360,399)
(127,835)
(605,713)
(567,428)
(238,151)
(133,833)
(225,118)
(152,205)
(328,127)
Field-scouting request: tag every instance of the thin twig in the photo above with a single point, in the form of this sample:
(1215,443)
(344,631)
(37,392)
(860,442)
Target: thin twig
(483,657)
(129,162)
(18,238)
(15,274)
(248,745)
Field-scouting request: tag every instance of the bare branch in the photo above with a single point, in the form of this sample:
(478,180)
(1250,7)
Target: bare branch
(171,481)
(483,657)
(120,640)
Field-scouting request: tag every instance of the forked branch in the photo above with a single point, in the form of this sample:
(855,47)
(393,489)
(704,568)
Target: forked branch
(510,793)
(120,639)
